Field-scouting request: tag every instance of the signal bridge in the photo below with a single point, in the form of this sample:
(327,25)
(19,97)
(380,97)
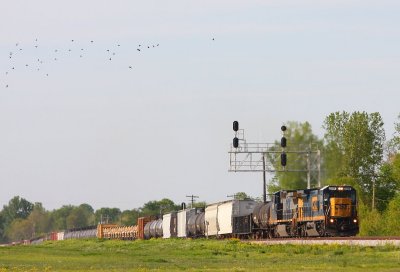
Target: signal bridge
(264,157)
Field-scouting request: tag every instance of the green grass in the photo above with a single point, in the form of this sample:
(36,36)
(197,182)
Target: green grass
(194,255)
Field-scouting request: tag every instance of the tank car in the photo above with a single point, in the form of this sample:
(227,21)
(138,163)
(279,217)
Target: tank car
(184,217)
(196,225)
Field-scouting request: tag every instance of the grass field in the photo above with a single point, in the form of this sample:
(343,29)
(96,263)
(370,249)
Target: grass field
(194,255)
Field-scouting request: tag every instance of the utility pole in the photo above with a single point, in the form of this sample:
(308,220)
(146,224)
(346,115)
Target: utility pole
(192,199)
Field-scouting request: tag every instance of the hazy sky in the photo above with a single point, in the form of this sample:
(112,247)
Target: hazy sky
(98,132)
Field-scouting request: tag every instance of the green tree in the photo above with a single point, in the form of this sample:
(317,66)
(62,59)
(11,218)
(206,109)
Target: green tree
(76,219)
(20,229)
(241,196)
(89,214)
(17,208)
(110,215)
(354,148)
(397,133)
(299,137)
(59,217)
(37,223)
(394,143)
(370,222)
(199,204)
(129,217)
(392,216)
(162,206)
(396,168)
(40,219)
(2,228)
(386,186)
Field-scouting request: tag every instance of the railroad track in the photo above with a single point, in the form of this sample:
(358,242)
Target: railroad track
(352,241)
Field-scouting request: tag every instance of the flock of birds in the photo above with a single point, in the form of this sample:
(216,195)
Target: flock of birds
(57,53)
(73,48)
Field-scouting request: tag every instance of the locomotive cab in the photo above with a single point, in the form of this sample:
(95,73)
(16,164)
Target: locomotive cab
(340,208)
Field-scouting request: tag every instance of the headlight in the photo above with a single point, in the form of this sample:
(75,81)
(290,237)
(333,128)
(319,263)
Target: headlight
(355,220)
(331,220)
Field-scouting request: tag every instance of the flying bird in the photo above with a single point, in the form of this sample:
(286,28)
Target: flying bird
(130,67)
(138,49)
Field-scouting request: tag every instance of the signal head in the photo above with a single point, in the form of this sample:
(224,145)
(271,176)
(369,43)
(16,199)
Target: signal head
(235,125)
(235,142)
(283,142)
(283,159)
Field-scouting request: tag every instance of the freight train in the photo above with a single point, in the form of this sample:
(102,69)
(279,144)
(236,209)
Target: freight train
(327,211)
